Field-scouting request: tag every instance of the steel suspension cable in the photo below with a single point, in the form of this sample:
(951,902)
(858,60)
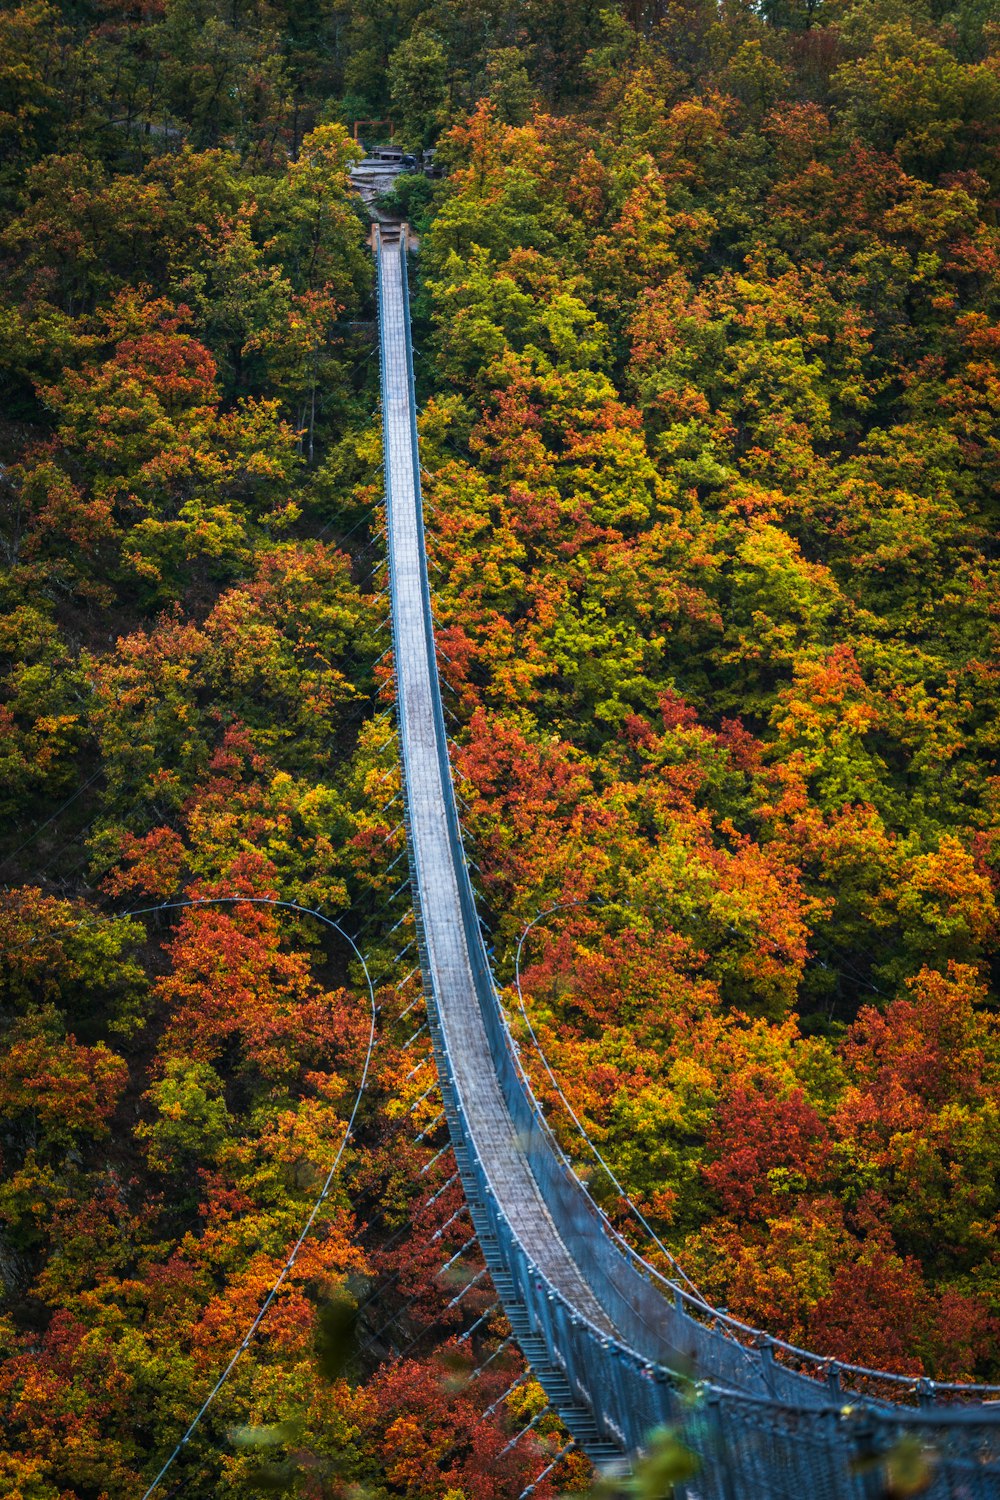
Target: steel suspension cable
(328,1182)
(581,1128)
(606,1167)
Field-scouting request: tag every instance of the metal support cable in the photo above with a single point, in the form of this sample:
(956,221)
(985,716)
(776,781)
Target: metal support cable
(442,1190)
(525,1430)
(460,1210)
(483,1318)
(415,1001)
(324,1193)
(425,1095)
(581,1128)
(435,1124)
(427,1203)
(438,1321)
(410,1040)
(434,1159)
(458,1254)
(524,1375)
(416,1298)
(530,1489)
(484,1271)
(52,817)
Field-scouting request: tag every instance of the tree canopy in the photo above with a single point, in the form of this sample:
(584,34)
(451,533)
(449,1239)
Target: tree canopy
(706,311)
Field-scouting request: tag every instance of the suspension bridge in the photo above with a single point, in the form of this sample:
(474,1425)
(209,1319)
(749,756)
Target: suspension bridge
(619,1349)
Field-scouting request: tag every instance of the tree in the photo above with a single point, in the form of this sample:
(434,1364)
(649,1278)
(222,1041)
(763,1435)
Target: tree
(509,86)
(418,84)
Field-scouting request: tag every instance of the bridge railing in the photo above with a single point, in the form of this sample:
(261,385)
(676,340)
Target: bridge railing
(758,1425)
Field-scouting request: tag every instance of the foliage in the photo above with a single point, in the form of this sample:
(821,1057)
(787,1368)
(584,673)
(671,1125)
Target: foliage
(710,499)
(707,313)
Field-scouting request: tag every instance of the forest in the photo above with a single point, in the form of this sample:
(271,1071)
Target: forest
(707,321)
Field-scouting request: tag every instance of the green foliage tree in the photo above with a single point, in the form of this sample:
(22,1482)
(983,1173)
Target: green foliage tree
(418,85)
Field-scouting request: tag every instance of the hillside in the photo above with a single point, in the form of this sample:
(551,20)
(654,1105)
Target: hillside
(706,315)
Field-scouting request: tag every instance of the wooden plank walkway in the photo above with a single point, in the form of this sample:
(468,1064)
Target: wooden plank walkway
(449,976)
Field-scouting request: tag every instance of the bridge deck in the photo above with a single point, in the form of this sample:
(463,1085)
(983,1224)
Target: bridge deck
(446,947)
